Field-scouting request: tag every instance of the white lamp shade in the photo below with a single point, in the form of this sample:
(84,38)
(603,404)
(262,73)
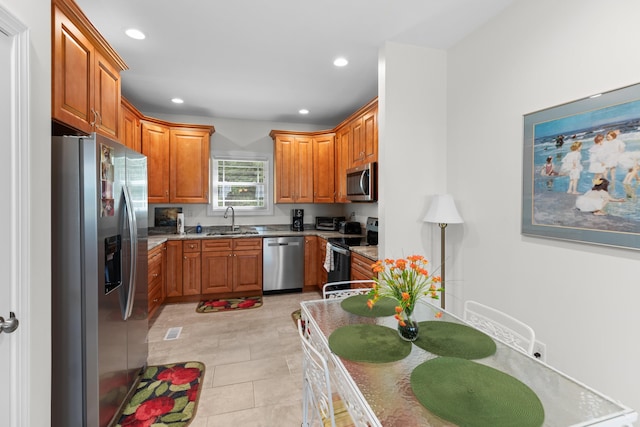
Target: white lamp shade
(443,211)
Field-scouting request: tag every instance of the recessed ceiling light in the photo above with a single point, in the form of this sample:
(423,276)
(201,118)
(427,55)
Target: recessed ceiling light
(177,100)
(340,62)
(303,111)
(135,34)
(596,95)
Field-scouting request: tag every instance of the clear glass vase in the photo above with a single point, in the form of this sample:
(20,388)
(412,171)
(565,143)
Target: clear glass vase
(408,332)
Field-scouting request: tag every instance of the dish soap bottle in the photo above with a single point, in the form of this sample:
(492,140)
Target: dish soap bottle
(198,228)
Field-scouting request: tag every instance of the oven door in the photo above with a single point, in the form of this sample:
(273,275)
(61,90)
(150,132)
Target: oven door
(341,268)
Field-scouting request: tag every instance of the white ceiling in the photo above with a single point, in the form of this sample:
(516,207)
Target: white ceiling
(265,60)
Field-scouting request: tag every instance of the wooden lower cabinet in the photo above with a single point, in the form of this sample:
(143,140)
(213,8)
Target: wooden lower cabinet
(173,283)
(361,268)
(310,261)
(156,275)
(191,262)
(232,265)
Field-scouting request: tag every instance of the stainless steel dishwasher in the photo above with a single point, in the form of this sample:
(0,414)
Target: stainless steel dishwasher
(282,264)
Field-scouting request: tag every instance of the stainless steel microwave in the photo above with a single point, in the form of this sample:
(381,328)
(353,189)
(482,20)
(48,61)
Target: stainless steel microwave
(361,183)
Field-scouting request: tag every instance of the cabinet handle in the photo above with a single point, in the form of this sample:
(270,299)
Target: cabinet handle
(155,275)
(156,299)
(95,118)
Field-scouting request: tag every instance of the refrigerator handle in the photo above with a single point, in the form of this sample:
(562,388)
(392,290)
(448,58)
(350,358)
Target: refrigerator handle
(133,235)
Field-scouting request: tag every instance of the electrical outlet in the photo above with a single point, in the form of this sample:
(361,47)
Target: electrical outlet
(540,351)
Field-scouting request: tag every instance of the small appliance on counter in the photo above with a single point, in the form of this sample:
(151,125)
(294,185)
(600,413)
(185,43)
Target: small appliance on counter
(350,227)
(297,219)
(329,223)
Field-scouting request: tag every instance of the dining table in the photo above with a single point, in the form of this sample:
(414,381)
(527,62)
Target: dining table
(452,375)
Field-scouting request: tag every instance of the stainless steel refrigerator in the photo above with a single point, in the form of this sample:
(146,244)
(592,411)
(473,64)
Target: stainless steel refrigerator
(99,278)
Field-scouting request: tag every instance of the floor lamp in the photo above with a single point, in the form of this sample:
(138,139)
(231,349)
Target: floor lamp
(443,212)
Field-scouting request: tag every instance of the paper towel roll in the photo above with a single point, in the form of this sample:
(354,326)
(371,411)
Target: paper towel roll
(180,223)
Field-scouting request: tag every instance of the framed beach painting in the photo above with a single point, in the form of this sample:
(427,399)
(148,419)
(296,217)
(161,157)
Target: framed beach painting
(581,165)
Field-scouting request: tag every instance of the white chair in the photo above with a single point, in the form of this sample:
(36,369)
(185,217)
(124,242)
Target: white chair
(327,293)
(500,325)
(318,401)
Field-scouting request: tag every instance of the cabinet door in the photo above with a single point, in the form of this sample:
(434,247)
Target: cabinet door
(285,159)
(324,169)
(106,97)
(173,280)
(310,260)
(304,169)
(73,62)
(130,128)
(356,151)
(370,136)
(191,278)
(189,166)
(155,145)
(343,137)
(217,272)
(247,270)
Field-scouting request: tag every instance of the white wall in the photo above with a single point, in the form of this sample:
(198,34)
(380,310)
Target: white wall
(233,135)
(412,146)
(581,299)
(36,15)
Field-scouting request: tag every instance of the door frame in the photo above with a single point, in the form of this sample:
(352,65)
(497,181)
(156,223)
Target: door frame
(19,388)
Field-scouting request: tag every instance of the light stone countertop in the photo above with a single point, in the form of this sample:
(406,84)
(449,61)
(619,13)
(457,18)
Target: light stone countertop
(154,239)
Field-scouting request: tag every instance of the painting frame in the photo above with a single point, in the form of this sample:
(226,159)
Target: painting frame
(549,207)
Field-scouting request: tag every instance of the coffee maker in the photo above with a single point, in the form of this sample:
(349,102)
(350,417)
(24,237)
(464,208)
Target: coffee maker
(297,219)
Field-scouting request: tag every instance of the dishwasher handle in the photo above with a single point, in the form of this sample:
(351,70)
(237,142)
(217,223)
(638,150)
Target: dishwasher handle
(283,244)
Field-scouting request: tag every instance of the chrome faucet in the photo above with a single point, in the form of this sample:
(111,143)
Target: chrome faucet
(233,217)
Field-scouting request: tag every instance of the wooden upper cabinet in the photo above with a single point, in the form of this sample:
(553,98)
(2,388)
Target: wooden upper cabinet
(324,168)
(177,161)
(364,137)
(189,165)
(130,132)
(86,74)
(293,168)
(342,163)
(155,145)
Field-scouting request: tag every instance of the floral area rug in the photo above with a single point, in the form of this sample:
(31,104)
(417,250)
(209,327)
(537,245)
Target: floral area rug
(215,305)
(167,395)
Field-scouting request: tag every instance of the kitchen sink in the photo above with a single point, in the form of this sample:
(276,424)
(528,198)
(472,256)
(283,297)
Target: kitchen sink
(231,233)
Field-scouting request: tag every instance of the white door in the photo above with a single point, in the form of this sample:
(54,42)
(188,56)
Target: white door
(13,214)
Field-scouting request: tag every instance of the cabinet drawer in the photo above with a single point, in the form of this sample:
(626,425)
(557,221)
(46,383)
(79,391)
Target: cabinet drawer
(155,294)
(191,246)
(361,267)
(209,245)
(243,244)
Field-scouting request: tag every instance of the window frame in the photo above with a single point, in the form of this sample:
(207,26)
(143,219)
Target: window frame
(266,158)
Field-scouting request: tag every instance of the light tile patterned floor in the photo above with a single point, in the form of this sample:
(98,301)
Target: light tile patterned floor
(253,360)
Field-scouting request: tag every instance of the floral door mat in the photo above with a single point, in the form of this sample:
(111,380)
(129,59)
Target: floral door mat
(454,340)
(470,394)
(166,395)
(228,304)
(357,304)
(368,343)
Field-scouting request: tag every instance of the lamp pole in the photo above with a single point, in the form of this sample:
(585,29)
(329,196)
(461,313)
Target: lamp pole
(442,263)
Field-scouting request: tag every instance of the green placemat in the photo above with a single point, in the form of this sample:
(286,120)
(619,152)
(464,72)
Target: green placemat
(454,340)
(357,304)
(470,394)
(368,343)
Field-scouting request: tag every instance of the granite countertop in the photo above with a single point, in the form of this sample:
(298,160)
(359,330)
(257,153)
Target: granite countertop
(158,236)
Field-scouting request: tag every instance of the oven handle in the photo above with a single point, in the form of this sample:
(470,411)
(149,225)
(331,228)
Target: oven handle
(339,250)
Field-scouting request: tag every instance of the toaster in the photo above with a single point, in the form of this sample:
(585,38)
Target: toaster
(350,227)
(328,223)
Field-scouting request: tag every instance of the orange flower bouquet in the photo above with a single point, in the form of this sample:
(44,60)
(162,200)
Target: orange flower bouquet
(406,281)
